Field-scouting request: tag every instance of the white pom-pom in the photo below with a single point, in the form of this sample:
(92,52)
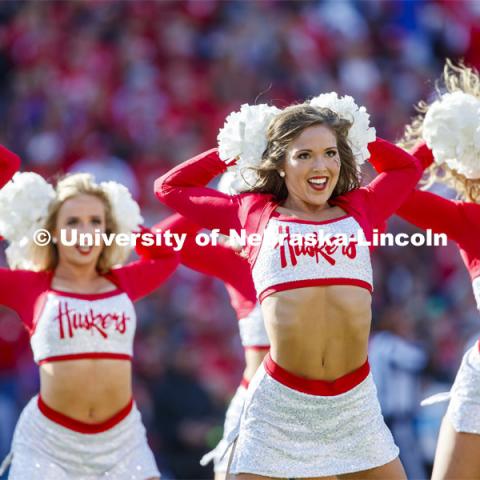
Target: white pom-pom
(19,255)
(360,133)
(24,203)
(125,209)
(451,129)
(231,183)
(244,135)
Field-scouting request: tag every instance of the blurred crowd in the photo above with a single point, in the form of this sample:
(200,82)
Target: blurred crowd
(127,89)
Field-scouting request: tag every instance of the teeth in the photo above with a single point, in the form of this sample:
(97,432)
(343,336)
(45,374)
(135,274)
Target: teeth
(318,181)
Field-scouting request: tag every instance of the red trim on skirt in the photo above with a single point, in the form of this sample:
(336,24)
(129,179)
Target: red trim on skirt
(81,427)
(316,387)
(257,347)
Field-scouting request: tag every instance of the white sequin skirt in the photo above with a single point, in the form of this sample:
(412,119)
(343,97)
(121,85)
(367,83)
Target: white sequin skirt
(221,453)
(45,450)
(464,408)
(287,433)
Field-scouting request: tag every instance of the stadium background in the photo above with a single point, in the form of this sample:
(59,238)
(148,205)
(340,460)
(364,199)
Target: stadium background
(126,90)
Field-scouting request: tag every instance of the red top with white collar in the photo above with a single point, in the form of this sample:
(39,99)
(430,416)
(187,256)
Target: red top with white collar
(64,325)
(460,221)
(368,207)
(280,265)
(226,264)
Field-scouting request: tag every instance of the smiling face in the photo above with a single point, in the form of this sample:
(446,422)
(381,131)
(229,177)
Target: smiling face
(312,168)
(85,213)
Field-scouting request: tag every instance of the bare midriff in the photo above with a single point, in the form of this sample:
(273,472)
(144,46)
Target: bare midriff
(87,390)
(319,332)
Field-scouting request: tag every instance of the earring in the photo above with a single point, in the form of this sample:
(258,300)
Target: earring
(281,173)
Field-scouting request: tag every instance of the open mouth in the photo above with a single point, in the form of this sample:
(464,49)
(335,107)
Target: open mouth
(318,183)
(84,250)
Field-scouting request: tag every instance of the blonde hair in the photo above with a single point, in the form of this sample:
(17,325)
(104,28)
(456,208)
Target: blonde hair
(455,78)
(46,257)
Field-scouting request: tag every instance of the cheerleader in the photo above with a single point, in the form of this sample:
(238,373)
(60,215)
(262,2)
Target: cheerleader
(225,263)
(311,410)
(450,128)
(79,311)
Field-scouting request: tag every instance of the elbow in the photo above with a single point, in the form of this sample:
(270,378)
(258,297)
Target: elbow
(162,187)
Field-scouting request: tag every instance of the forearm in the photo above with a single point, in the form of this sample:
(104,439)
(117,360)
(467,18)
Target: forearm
(184,189)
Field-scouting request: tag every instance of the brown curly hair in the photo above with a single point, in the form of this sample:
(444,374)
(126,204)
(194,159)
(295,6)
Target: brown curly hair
(286,127)
(455,78)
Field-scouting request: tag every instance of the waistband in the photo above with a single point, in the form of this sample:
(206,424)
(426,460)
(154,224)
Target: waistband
(316,387)
(81,427)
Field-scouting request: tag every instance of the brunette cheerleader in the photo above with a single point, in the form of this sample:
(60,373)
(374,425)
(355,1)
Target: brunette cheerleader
(311,410)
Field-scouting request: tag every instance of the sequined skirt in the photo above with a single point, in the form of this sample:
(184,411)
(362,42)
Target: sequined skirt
(464,408)
(221,454)
(43,449)
(290,429)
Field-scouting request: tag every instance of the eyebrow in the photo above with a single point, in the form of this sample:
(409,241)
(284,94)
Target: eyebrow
(76,217)
(309,149)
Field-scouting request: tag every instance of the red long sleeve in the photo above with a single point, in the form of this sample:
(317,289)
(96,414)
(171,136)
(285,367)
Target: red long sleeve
(9,164)
(399,172)
(19,291)
(423,153)
(459,220)
(427,210)
(142,277)
(219,261)
(183,189)
(175,223)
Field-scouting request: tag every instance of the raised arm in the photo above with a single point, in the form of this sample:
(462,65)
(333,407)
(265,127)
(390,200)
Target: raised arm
(399,172)
(175,223)
(19,290)
(142,277)
(219,260)
(429,211)
(183,189)
(9,164)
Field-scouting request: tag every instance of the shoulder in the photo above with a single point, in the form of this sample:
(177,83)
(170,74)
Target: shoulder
(249,202)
